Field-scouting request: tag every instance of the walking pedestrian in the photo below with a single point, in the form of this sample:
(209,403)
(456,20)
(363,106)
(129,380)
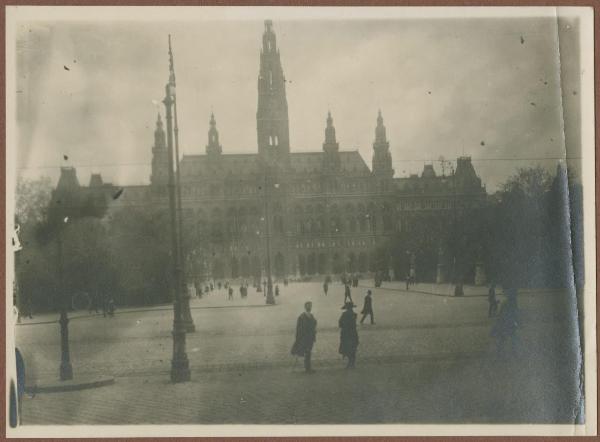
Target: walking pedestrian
(230,294)
(348,334)
(276,290)
(347,295)
(493,302)
(368,308)
(306,335)
(507,323)
(325,287)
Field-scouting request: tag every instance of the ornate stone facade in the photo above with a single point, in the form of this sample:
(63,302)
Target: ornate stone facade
(326,212)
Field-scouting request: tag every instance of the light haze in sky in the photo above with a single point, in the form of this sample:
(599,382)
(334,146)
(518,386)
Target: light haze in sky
(486,87)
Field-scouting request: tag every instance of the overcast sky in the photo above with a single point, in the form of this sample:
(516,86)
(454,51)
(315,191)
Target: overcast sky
(489,88)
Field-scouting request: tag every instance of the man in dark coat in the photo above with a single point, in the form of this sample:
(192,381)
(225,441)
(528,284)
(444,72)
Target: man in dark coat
(306,335)
(348,334)
(347,295)
(325,287)
(368,308)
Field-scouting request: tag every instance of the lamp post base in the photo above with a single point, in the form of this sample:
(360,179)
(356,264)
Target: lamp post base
(180,365)
(270,298)
(188,321)
(66,371)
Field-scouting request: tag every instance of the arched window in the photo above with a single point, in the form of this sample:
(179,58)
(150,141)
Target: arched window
(301,264)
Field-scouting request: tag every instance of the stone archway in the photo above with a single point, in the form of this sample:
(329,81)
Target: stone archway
(245,266)
(279,265)
(322,264)
(302,264)
(235,270)
(311,264)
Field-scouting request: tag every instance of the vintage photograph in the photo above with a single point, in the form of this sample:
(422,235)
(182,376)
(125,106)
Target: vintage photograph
(300,216)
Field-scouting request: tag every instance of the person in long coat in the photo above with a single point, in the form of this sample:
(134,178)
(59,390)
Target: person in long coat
(507,323)
(306,335)
(367,308)
(348,334)
(347,295)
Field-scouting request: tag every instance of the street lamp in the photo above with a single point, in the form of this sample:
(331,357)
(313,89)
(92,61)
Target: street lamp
(180,370)
(66,369)
(270,299)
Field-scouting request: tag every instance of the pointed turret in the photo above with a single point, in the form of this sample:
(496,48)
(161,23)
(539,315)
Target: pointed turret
(160,155)
(331,159)
(213,147)
(382,158)
(159,135)
(272,113)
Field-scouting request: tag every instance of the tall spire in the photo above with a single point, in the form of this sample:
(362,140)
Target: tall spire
(382,158)
(380,136)
(213,147)
(160,155)
(330,130)
(331,159)
(272,114)
(159,134)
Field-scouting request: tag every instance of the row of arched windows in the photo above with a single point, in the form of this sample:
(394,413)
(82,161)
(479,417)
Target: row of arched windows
(323,263)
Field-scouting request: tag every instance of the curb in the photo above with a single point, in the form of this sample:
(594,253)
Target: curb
(71,385)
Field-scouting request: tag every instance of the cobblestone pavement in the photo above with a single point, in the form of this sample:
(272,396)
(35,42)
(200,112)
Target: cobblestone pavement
(427,358)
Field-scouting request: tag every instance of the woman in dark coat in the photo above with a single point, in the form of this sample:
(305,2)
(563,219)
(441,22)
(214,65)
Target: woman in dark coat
(306,335)
(348,334)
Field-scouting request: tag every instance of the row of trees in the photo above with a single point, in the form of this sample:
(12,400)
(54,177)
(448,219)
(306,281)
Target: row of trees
(524,236)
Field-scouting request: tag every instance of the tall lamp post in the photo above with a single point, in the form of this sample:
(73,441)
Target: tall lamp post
(270,299)
(180,370)
(66,369)
(185,301)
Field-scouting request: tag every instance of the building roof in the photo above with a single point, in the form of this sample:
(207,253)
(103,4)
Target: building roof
(247,164)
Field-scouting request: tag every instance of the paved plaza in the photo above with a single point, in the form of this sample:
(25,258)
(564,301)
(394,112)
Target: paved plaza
(428,358)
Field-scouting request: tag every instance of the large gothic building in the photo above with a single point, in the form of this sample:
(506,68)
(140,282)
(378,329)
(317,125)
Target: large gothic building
(316,212)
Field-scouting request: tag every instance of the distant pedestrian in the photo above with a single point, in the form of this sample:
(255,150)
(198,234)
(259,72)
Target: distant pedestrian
(212,287)
(93,303)
(368,308)
(325,287)
(306,335)
(230,294)
(276,290)
(348,334)
(265,288)
(407,280)
(492,301)
(507,323)
(347,295)
(111,306)
(219,285)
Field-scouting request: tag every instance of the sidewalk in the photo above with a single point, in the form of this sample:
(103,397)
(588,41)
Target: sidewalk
(480,390)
